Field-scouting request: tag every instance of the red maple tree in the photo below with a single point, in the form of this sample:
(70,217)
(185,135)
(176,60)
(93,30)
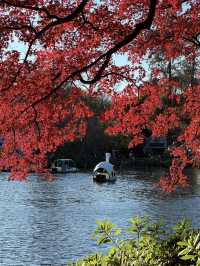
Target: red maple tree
(70,49)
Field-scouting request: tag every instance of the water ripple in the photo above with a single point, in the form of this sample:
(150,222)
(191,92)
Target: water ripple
(51,223)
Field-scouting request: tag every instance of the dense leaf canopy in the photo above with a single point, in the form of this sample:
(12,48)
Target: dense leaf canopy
(70,50)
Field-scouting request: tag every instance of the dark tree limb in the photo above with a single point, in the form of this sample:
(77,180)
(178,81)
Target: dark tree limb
(58,21)
(129,38)
(106,56)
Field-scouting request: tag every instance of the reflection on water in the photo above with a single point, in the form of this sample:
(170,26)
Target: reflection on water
(50,223)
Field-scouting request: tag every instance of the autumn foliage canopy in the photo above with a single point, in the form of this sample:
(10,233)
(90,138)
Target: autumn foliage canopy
(70,50)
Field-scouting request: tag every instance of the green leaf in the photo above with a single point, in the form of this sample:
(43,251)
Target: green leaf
(197,240)
(112,251)
(103,240)
(182,243)
(188,257)
(184,252)
(117,232)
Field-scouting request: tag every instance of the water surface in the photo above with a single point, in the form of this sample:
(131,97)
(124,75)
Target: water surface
(49,223)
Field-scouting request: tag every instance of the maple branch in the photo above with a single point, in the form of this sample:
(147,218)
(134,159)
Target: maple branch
(56,22)
(194,41)
(19,27)
(166,6)
(36,123)
(100,71)
(85,21)
(14,79)
(129,38)
(34,8)
(139,27)
(120,75)
(196,38)
(51,92)
(14,141)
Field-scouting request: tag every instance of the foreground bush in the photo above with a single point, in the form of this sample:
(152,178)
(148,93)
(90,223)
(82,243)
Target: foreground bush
(145,244)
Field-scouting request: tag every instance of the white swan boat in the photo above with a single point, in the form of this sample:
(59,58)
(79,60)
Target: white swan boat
(104,171)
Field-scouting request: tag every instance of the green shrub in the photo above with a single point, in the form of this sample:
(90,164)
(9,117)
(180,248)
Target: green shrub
(145,244)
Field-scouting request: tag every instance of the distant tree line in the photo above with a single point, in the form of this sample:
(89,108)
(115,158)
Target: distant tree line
(91,149)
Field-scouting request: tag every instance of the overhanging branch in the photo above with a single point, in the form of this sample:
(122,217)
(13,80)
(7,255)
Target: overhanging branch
(106,56)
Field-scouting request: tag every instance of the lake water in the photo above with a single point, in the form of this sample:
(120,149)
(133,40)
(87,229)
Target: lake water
(50,223)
